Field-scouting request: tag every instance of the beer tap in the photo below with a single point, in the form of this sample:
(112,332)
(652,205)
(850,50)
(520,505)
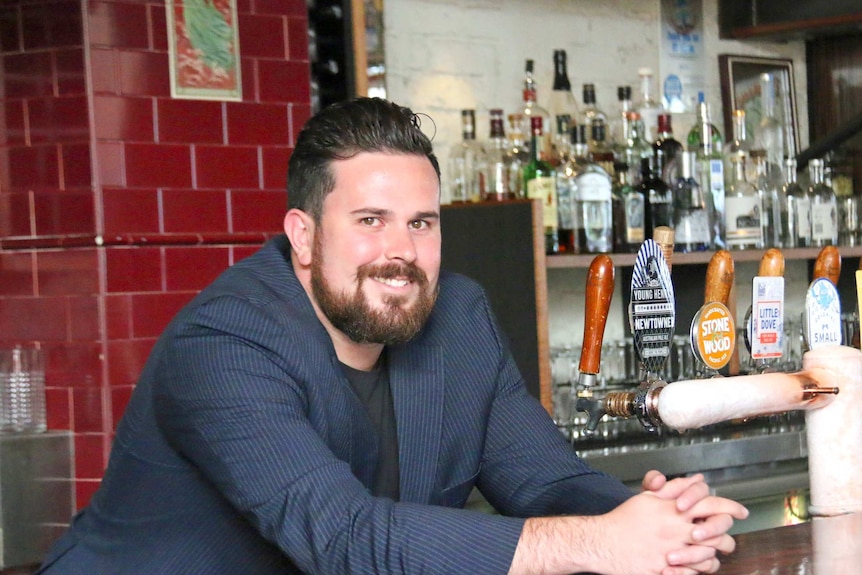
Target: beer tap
(764,321)
(713,332)
(600,290)
(821,322)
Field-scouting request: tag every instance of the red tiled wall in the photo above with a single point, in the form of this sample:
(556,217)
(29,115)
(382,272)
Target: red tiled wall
(174,190)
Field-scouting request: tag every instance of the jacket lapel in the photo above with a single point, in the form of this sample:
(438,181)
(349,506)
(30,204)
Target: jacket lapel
(416,378)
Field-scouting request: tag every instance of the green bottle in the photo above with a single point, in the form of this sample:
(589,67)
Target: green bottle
(540,183)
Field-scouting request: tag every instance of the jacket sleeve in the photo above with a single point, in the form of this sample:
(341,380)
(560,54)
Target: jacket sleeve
(230,399)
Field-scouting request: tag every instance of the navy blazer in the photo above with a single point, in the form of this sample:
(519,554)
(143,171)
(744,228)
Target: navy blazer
(244,449)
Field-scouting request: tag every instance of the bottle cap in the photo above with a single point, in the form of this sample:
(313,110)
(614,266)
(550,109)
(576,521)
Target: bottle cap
(624,93)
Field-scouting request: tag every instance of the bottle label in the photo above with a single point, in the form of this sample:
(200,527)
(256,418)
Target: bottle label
(593,187)
(823,221)
(742,220)
(693,228)
(634,218)
(545,189)
(803,218)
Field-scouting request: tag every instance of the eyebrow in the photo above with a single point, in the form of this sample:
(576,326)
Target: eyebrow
(430,215)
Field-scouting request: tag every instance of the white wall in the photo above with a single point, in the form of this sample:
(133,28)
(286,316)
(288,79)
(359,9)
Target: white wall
(445,55)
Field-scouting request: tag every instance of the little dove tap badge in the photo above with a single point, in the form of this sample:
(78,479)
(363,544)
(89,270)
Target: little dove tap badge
(822,318)
(651,310)
(766,326)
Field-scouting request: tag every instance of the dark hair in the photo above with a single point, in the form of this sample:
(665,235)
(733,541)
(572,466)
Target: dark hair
(341,131)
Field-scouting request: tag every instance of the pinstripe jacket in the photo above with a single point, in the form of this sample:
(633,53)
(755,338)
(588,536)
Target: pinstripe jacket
(244,449)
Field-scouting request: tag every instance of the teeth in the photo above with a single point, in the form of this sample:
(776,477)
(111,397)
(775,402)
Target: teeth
(392,282)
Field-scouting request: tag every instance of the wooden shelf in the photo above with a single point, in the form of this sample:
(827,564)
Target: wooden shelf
(584,260)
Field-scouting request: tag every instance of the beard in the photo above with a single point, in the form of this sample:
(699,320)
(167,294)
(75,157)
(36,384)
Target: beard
(352,314)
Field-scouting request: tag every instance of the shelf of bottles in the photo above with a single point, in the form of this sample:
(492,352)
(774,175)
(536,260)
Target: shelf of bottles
(606,181)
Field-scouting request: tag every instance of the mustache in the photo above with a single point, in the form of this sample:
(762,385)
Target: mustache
(393,270)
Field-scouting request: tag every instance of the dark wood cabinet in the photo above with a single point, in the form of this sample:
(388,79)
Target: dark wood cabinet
(783,20)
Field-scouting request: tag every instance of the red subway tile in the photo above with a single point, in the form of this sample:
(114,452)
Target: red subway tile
(17,273)
(275,161)
(151,313)
(105,71)
(84,490)
(226,167)
(126,359)
(52,25)
(10,38)
(118,316)
(257,124)
(258,211)
(250,82)
(71,78)
(88,410)
(111,162)
(18,219)
(77,169)
(262,36)
(197,211)
(299,115)
(144,74)
(74,364)
(190,121)
(33,319)
(58,119)
(285,7)
(134,211)
(68,272)
(284,81)
(27,75)
(158,165)
(120,397)
(123,118)
(134,270)
(243,6)
(90,457)
(14,130)
(118,25)
(159,28)
(297,39)
(32,167)
(192,269)
(84,318)
(64,213)
(58,407)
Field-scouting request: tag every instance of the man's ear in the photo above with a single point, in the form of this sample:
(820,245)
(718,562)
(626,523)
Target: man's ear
(299,228)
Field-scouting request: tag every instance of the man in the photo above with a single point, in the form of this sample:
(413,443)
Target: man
(328,404)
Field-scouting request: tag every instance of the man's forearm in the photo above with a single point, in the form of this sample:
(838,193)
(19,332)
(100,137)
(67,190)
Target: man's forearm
(556,545)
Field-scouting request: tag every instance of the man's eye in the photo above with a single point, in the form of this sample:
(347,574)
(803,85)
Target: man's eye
(419,224)
(369,221)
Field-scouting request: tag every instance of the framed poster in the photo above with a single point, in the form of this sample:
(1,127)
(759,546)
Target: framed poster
(740,90)
(203,49)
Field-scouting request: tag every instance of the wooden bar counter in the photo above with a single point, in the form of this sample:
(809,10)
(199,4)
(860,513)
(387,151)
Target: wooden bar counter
(822,546)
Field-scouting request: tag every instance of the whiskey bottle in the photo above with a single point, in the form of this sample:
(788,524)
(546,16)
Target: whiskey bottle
(742,209)
(798,230)
(599,151)
(562,106)
(824,207)
(531,109)
(666,149)
(464,158)
(692,210)
(657,195)
(495,164)
(540,183)
(629,213)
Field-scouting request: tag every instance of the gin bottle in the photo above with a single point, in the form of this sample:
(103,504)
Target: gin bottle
(495,164)
(742,210)
(464,160)
(771,198)
(798,231)
(824,208)
(692,210)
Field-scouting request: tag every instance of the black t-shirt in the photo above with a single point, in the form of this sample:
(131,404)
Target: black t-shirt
(372,388)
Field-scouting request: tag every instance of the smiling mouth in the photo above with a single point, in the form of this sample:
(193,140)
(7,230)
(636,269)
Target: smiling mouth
(393,282)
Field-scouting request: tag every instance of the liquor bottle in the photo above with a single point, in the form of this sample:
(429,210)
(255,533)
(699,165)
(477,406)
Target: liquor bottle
(633,148)
(464,156)
(566,185)
(540,183)
(657,195)
(531,109)
(771,207)
(517,156)
(562,106)
(692,209)
(599,151)
(737,147)
(709,170)
(494,165)
(620,125)
(591,110)
(629,213)
(769,135)
(666,149)
(798,230)
(824,207)
(742,209)
(647,105)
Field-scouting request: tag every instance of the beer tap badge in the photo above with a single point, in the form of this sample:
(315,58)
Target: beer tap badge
(713,335)
(822,319)
(651,310)
(766,324)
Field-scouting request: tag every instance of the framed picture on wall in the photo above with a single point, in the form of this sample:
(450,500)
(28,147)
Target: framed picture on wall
(203,47)
(740,89)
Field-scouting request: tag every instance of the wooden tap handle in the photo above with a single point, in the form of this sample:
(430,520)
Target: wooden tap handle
(828,264)
(600,289)
(772,263)
(719,278)
(664,237)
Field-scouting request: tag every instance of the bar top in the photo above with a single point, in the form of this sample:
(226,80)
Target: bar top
(822,546)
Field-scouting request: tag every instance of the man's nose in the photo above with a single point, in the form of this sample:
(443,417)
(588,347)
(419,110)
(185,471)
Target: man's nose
(400,244)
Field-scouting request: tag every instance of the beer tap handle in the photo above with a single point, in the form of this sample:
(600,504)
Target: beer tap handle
(772,263)
(764,322)
(719,278)
(828,264)
(713,331)
(664,237)
(821,322)
(600,290)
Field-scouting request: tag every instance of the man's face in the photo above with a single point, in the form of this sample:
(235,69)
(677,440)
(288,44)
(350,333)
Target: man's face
(376,252)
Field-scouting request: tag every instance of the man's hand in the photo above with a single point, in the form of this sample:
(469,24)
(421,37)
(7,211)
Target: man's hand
(711,517)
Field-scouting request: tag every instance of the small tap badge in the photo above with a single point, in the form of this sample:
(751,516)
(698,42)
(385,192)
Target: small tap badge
(822,319)
(651,310)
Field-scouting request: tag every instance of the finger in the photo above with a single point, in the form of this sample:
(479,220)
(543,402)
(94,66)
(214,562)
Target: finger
(711,527)
(676,570)
(708,566)
(693,493)
(712,505)
(690,555)
(722,543)
(653,480)
(675,487)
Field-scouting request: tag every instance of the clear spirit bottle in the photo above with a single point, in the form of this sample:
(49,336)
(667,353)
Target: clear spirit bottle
(709,170)
(737,148)
(742,205)
(591,110)
(531,109)
(771,203)
(824,207)
(495,164)
(517,156)
(692,210)
(464,157)
(540,183)
(562,106)
(769,135)
(647,105)
(798,230)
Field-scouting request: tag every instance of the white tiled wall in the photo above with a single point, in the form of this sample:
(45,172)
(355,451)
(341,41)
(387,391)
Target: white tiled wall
(445,55)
